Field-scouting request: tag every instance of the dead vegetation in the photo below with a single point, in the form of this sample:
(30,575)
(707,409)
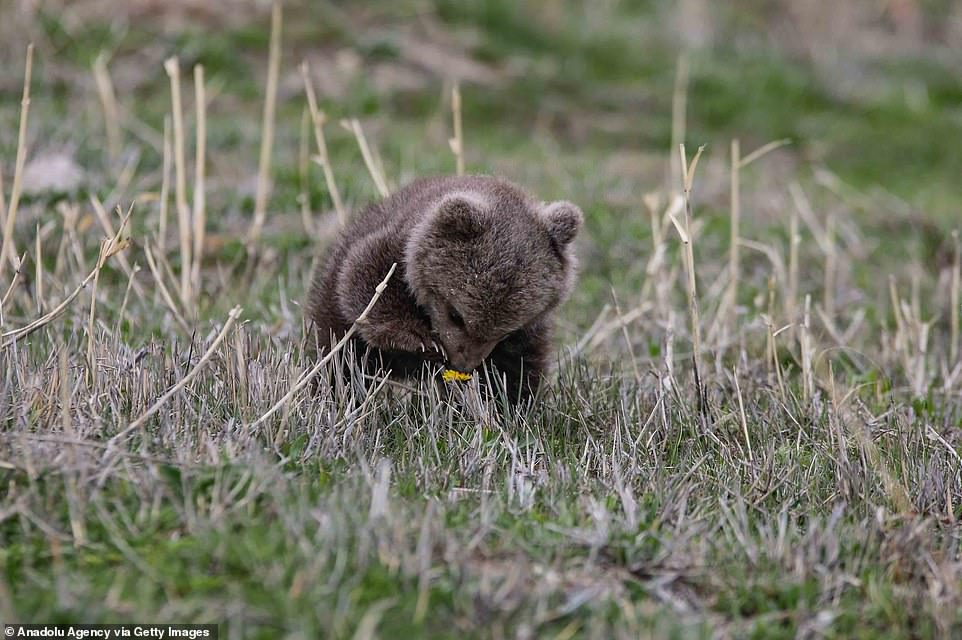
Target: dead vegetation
(746,440)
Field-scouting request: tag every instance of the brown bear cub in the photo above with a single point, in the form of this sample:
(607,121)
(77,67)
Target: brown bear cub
(481,267)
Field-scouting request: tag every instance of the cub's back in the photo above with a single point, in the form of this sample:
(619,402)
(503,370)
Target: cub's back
(397,214)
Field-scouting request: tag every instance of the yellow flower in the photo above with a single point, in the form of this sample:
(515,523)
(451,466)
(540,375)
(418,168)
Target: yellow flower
(450,375)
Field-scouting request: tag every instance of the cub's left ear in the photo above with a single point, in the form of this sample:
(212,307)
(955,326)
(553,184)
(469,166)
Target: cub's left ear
(563,220)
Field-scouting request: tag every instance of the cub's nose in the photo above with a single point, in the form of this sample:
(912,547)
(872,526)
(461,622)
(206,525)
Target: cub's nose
(468,357)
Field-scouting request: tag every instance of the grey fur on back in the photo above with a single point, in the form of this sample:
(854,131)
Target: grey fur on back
(481,267)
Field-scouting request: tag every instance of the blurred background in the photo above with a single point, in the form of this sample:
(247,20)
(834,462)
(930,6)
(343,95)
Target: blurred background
(573,99)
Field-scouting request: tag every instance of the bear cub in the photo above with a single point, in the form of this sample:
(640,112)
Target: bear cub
(481,267)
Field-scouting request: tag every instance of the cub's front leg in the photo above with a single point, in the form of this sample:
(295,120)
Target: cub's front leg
(395,322)
(523,359)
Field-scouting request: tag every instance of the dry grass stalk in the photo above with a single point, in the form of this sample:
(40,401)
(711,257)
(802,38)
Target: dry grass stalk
(737,164)
(763,150)
(8,250)
(744,420)
(172,67)
(116,244)
(317,119)
(108,228)
(267,126)
(91,336)
(354,126)
(779,375)
(105,249)
(307,377)
(164,187)
(13,285)
(457,142)
(688,172)
(183,382)
(162,289)
(807,352)
(108,100)
(200,177)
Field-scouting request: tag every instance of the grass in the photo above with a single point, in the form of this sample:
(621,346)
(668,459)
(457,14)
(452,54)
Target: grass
(813,491)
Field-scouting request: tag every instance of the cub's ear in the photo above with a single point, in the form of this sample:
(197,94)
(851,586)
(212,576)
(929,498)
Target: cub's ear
(563,220)
(461,216)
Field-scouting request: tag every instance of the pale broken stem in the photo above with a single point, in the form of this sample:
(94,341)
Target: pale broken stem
(183,382)
(200,176)
(13,285)
(165,187)
(354,126)
(8,250)
(267,126)
(108,100)
(115,245)
(744,420)
(180,187)
(737,163)
(307,377)
(954,309)
(164,292)
(457,142)
(689,175)
(763,150)
(104,220)
(317,119)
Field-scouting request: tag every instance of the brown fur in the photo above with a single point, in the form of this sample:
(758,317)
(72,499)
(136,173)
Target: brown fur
(481,268)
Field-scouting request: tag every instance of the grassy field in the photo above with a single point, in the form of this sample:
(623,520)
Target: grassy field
(753,434)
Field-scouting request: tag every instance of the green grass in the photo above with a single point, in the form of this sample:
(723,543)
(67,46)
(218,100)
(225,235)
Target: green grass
(611,509)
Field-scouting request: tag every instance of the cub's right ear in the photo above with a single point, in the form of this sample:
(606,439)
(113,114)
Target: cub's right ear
(563,220)
(461,216)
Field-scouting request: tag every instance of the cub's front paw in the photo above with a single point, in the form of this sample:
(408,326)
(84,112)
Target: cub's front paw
(401,336)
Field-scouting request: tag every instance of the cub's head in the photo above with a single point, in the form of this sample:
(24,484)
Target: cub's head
(484,265)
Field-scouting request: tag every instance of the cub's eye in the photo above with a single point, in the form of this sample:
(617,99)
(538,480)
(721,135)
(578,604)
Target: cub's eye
(456,318)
